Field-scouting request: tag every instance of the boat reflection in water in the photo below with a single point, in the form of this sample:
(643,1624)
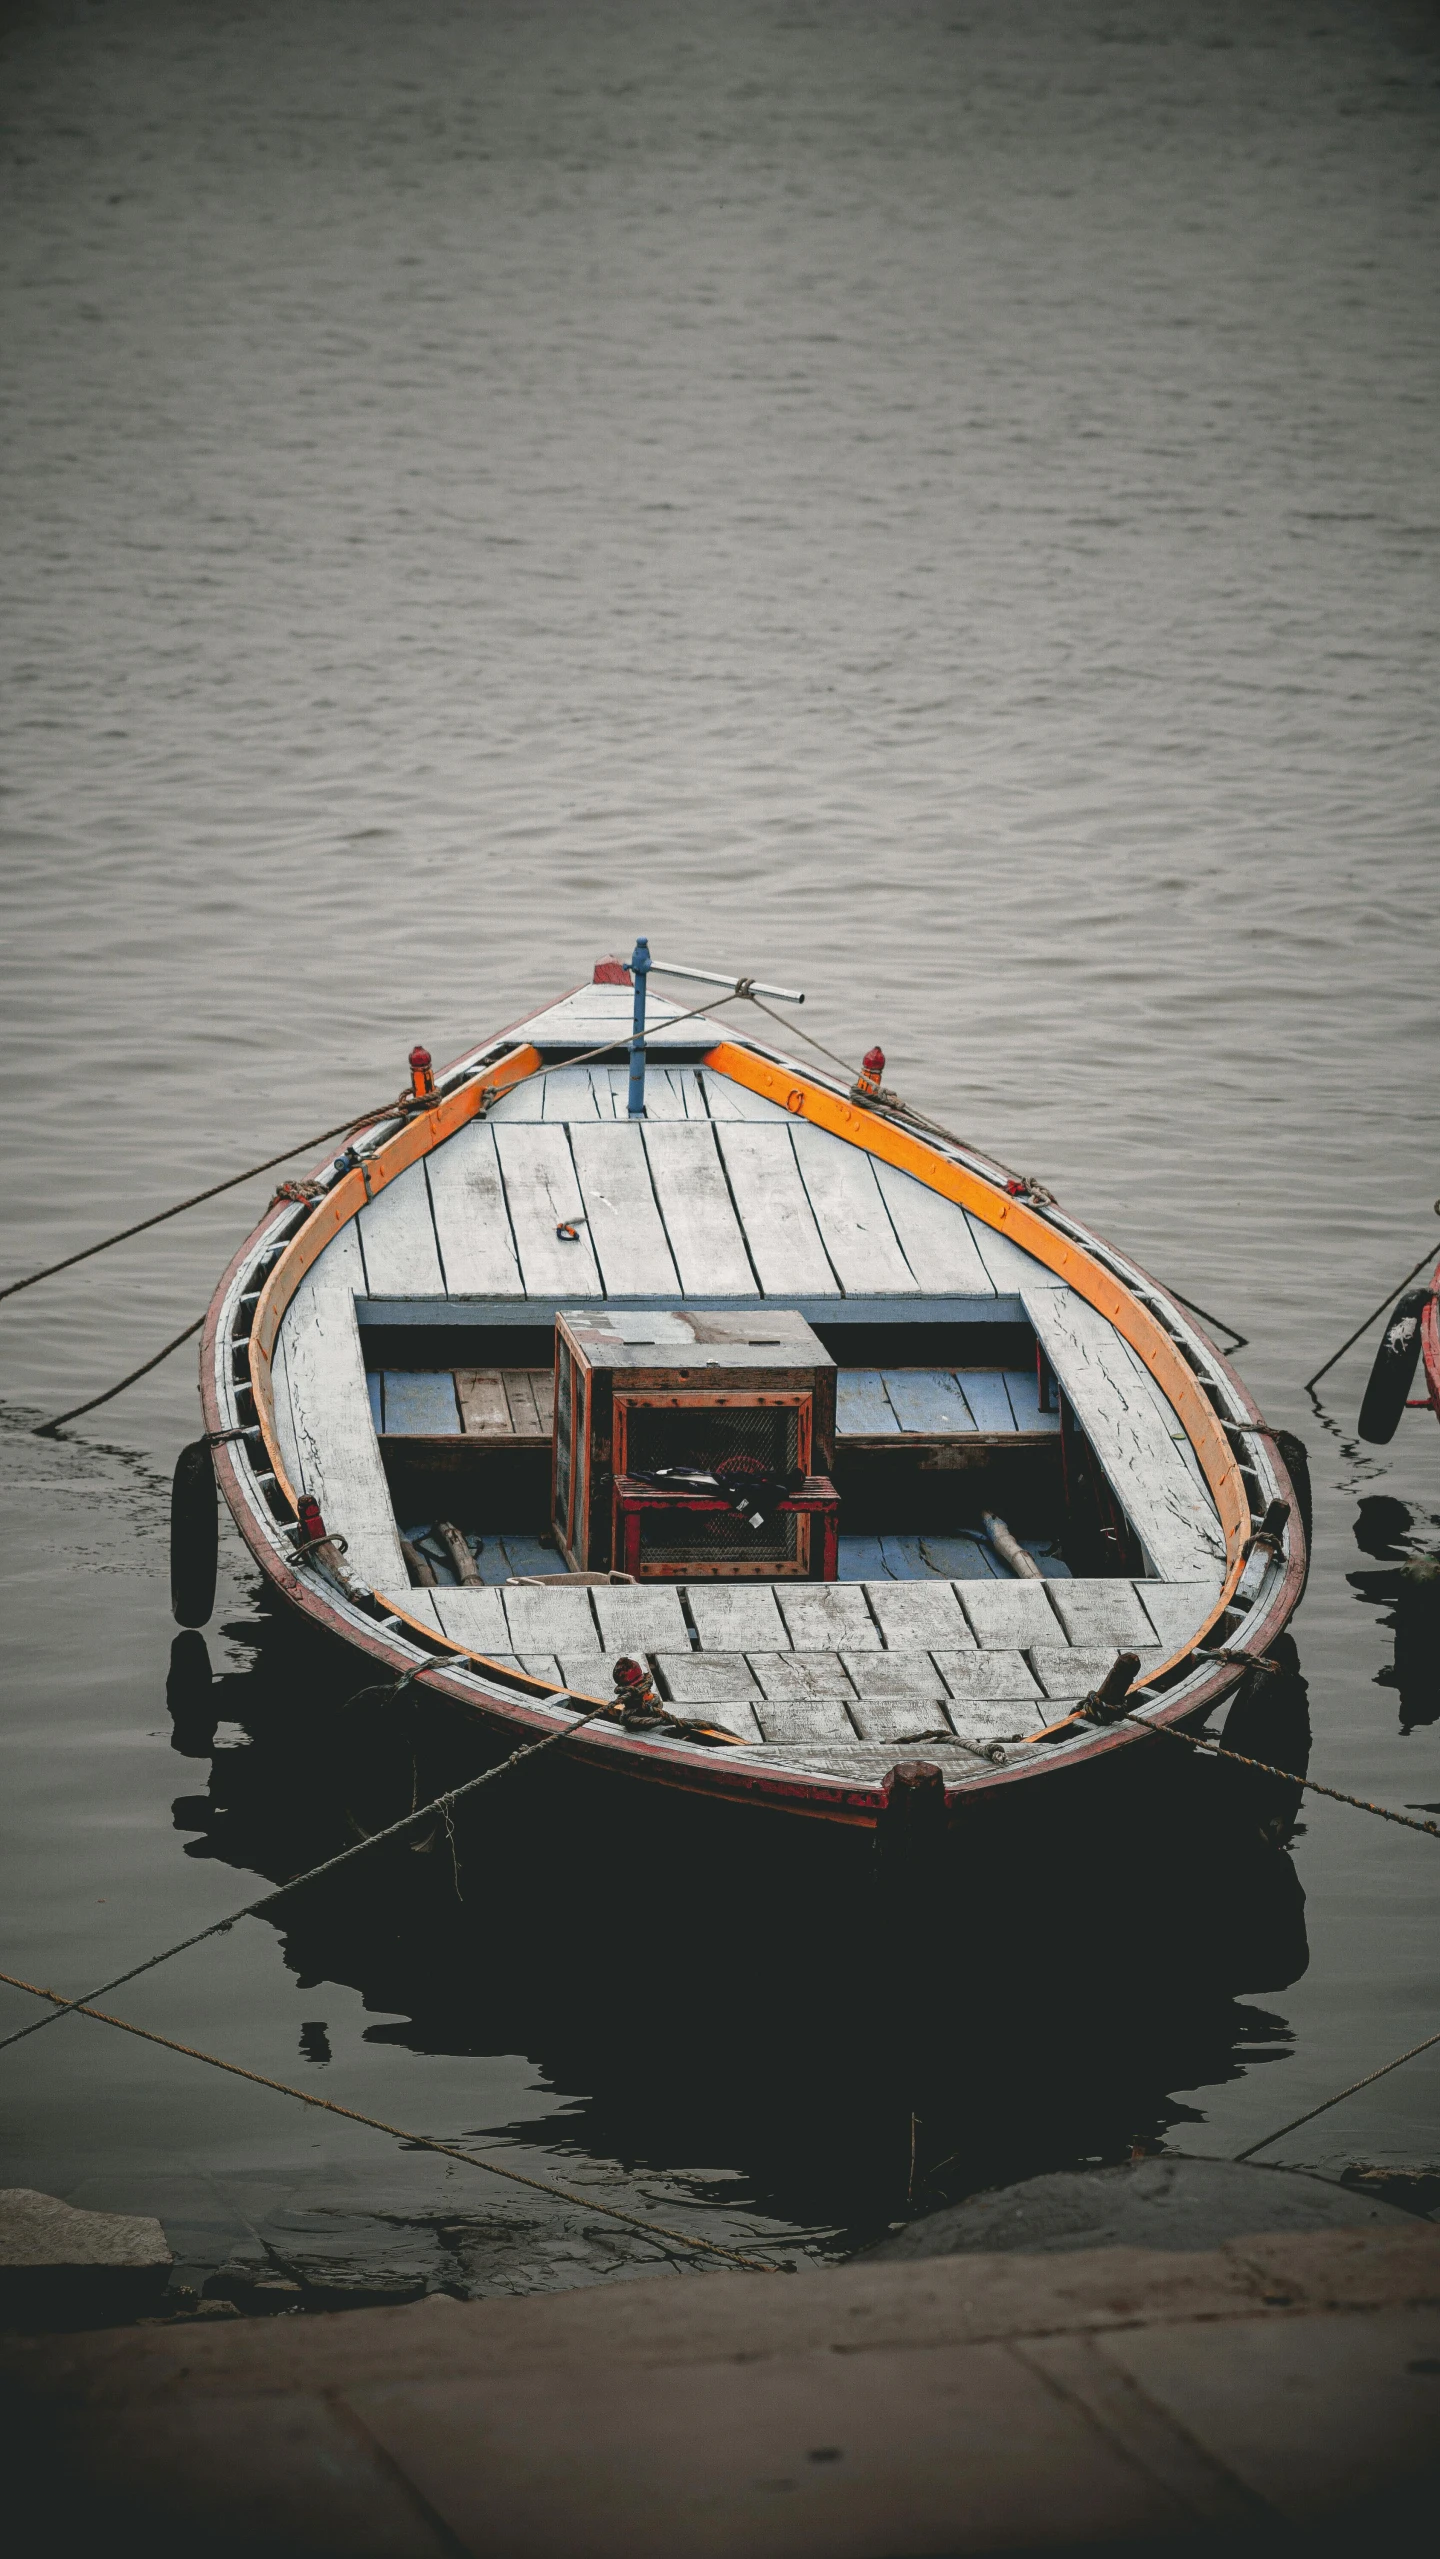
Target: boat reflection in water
(698,1983)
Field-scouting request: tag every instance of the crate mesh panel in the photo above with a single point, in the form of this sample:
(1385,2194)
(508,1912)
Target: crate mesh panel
(715,1537)
(768,1434)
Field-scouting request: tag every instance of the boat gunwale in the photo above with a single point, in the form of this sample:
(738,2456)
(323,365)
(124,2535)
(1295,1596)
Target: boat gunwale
(294,1240)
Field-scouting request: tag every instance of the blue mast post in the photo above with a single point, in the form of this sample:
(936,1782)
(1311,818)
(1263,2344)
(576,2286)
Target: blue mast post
(640,970)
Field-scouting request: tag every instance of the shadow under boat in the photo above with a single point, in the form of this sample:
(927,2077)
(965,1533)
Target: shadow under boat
(847,2029)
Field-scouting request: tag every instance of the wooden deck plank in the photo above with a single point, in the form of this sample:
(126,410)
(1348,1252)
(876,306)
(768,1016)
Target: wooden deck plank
(727,1101)
(474,1618)
(520,1398)
(919,1615)
(1010,1267)
(539,1665)
(336,1450)
(420,1402)
(526,1554)
(1178,1610)
(569,1094)
(737,1714)
(862,1407)
(1118,1407)
(824,1616)
(975,1676)
(863,1559)
(645,1619)
(928,1400)
(902,1719)
(944,1559)
(625,1224)
(851,1214)
(779,1223)
(699,1215)
(542,1192)
(397,1238)
(1072,1670)
(671,1093)
(484,1405)
(472,1223)
(735,1617)
(893,1674)
(587,1672)
(814,1674)
(704,1679)
(817,1718)
(1023,1388)
(1101,1612)
(934,1236)
(1010,1616)
(284,1416)
(998,1719)
(985,1393)
(375,1388)
(553,1619)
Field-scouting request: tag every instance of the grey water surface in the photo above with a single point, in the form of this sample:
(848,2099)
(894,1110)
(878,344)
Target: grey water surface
(934,502)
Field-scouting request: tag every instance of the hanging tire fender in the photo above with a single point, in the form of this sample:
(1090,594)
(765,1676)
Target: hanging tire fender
(1394,1370)
(194,1535)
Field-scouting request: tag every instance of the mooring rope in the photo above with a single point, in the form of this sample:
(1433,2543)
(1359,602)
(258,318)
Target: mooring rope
(1327,2102)
(1388,1299)
(441,1804)
(47,1430)
(397,2132)
(1216,1750)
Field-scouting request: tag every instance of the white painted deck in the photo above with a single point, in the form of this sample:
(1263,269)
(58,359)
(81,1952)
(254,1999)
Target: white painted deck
(719,1193)
(821,1669)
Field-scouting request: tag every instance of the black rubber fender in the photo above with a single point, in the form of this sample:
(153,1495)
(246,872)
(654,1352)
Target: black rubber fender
(1394,1371)
(194,1535)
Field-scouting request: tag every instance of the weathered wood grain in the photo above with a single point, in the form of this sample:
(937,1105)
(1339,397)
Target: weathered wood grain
(553,1620)
(780,1229)
(1178,1610)
(974,1676)
(1124,1417)
(1010,1268)
(803,1718)
(1101,1612)
(942,1558)
(644,1619)
(703,1679)
(851,1214)
(699,1215)
(824,1616)
(934,1236)
(375,1388)
(989,1400)
(472,1223)
(893,1674)
(625,1224)
(727,1101)
(1074,1670)
(928,1401)
(542,1193)
(862,1408)
(420,1403)
(336,1451)
(800,1674)
(523,1408)
(1010,1616)
(473,1617)
(902,1719)
(569,1094)
(919,1616)
(484,1405)
(397,1238)
(734,1617)
(1023,1388)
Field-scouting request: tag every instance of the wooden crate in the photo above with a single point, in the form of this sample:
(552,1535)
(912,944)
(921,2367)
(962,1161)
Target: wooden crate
(634,1392)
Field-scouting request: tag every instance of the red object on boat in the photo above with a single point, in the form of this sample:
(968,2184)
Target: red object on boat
(421,1074)
(872,1067)
(312,1526)
(611,973)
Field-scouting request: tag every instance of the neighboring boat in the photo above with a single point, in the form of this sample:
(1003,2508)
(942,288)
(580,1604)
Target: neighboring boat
(1412,1333)
(802,1431)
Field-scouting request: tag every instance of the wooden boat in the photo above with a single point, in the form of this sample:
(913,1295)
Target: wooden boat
(1038,1461)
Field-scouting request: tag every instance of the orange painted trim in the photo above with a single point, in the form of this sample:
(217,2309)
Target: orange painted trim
(422,1132)
(792,1088)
